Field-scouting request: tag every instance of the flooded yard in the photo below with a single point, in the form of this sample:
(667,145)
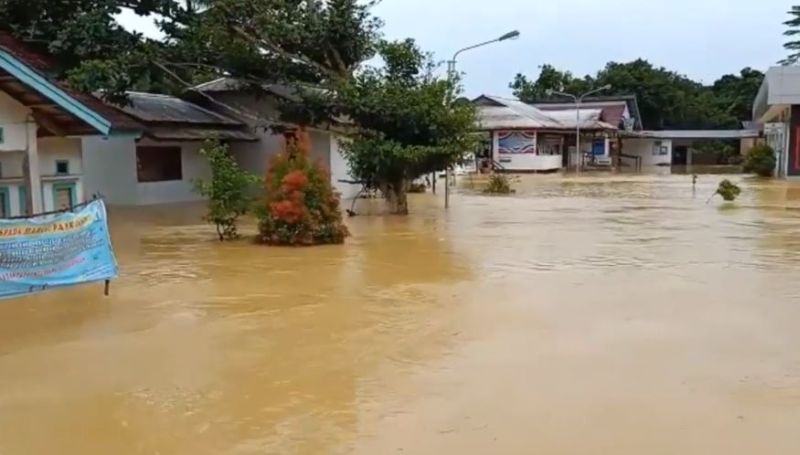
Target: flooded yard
(584,315)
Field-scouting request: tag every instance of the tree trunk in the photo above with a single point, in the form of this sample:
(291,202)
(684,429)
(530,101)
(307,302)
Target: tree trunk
(396,195)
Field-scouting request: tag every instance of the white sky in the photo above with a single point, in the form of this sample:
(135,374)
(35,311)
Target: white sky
(702,39)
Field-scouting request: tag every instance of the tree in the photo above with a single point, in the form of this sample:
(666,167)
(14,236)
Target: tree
(227,191)
(792,46)
(549,78)
(666,98)
(407,123)
(301,207)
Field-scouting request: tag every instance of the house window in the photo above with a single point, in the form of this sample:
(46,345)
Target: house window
(158,164)
(2,136)
(659,149)
(1,170)
(62,167)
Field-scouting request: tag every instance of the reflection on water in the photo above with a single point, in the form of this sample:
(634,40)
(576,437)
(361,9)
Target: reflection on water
(589,314)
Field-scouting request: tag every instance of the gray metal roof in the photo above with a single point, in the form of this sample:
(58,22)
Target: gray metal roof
(495,113)
(694,134)
(781,87)
(200,134)
(156,108)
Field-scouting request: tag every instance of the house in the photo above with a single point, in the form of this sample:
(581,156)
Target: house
(258,107)
(777,108)
(59,146)
(541,137)
(531,137)
(42,128)
(161,164)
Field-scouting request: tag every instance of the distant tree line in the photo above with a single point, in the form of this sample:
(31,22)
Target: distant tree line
(667,99)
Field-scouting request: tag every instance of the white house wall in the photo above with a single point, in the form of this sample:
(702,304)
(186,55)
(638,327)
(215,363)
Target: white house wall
(254,157)
(525,161)
(340,170)
(644,148)
(13,118)
(193,167)
(109,166)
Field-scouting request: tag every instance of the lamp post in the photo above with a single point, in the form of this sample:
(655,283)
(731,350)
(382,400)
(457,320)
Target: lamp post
(578,101)
(451,74)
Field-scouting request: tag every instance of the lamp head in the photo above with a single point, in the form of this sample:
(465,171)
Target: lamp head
(509,35)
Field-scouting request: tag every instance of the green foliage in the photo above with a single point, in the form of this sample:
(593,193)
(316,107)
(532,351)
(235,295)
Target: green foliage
(301,207)
(498,184)
(760,160)
(728,190)
(793,30)
(666,99)
(407,124)
(227,191)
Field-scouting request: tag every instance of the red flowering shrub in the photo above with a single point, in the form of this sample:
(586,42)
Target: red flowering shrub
(301,207)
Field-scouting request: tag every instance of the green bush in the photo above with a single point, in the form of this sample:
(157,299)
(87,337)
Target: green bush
(498,184)
(728,190)
(761,161)
(227,191)
(301,206)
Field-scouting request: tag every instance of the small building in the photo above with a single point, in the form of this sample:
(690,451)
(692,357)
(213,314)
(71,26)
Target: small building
(42,128)
(162,163)
(525,138)
(58,147)
(258,106)
(777,108)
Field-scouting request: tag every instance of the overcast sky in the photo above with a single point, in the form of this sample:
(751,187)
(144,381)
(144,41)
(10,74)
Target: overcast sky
(702,39)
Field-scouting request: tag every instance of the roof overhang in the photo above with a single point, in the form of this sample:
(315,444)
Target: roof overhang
(692,134)
(51,98)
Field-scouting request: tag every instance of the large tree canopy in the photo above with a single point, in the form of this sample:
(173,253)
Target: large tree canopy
(666,99)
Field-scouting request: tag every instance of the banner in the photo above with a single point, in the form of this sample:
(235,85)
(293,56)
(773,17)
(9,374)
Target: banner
(51,251)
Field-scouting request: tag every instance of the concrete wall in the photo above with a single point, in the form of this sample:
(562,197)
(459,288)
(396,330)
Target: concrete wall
(524,161)
(109,166)
(13,118)
(193,166)
(644,148)
(340,170)
(254,157)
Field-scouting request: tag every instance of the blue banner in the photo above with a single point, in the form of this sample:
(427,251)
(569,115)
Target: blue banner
(53,251)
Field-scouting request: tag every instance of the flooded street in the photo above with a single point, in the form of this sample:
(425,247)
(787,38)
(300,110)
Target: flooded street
(584,315)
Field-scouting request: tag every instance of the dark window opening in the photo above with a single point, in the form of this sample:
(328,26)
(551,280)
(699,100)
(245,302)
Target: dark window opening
(158,164)
(62,167)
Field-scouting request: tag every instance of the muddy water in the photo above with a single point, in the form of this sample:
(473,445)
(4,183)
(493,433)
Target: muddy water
(583,315)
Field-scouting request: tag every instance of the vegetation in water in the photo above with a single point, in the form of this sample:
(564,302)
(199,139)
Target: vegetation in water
(227,192)
(498,184)
(760,160)
(417,187)
(728,190)
(301,206)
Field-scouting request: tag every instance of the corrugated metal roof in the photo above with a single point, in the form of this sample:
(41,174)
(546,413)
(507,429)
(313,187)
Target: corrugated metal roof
(155,108)
(199,134)
(507,113)
(694,134)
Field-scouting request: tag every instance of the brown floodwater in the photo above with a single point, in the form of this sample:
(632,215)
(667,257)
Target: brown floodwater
(583,315)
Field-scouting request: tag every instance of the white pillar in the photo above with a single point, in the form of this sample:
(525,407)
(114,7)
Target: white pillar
(34,177)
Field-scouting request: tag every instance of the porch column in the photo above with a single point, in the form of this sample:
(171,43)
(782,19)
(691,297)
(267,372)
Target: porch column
(33,177)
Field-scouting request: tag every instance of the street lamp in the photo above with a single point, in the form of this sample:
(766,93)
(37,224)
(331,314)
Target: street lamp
(451,74)
(578,101)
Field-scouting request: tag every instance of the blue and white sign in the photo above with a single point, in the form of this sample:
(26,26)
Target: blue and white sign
(51,251)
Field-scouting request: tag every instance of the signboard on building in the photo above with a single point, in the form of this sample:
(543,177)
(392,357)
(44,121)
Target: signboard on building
(516,142)
(52,251)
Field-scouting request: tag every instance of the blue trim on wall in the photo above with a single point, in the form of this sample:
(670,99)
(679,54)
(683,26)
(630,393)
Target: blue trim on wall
(23,200)
(73,194)
(39,83)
